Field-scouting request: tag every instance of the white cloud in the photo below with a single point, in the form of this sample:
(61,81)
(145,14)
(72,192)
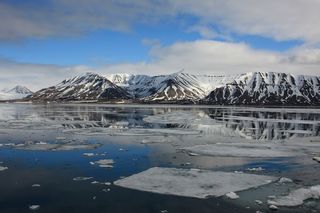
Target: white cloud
(51,18)
(35,76)
(220,58)
(197,57)
(281,20)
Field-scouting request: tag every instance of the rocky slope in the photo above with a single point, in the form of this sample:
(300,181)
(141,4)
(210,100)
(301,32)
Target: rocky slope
(268,89)
(88,86)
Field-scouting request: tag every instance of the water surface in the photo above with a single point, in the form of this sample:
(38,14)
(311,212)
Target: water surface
(44,144)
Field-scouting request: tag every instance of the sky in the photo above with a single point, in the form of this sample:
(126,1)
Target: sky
(44,41)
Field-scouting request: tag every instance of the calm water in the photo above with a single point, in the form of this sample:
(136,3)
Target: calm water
(44,144)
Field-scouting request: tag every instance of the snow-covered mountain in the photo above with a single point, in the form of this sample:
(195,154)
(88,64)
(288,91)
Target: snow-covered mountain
(251,88)
(165,88)
(268,88)
(88,86)
(18,92)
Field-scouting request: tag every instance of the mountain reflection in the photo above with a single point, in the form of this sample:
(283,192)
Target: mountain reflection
(249,123)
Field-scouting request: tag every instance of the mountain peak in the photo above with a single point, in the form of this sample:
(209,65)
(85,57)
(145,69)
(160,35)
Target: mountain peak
(20,90)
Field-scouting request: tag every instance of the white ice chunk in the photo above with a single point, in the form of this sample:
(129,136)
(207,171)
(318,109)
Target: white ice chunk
(82,178)
(232,195)
(105,163)
(191,182)
(316,159)
(285,180)
(255,169)
(296,197)
(2,168)
(34,207)
(88,154)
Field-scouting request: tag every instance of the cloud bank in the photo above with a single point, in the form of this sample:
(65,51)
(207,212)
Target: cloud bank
(280,20)
(196,57)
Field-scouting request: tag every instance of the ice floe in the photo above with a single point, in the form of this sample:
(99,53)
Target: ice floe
(255,169)
(88,154)
(316,159)
(232,195)
(2,168)
(285,180)
(156,139)
(34,207)
(101,183)
(239,150)
(192,182)
(82,178)
(104,163)
(297,197)
(273,207)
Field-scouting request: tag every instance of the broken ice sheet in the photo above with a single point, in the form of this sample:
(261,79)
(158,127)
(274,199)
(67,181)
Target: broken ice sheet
(192,182)
(297,197)
(239,150)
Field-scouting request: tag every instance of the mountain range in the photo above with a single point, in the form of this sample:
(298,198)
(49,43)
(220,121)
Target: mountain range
(18,92)
(254,88)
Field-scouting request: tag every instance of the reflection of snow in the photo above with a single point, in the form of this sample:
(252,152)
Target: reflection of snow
(192,182)
(247,123)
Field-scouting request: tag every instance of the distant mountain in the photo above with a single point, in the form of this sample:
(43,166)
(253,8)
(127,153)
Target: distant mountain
(167,88)
(268,89)
(256,88)
(88,86)
(18,92)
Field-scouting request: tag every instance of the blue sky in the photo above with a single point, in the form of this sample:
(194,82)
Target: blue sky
(107,46)
(48,40)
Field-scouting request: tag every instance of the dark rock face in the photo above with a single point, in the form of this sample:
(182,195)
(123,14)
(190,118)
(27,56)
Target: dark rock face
(85,87)
(268,89)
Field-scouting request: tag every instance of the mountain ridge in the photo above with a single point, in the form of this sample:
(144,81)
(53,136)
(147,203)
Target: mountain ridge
(253,88)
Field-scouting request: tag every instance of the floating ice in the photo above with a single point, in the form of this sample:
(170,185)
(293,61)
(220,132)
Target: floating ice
(82,178)
(232,195)
(316,159)
(34,207)
(257,169)
(259,202)
(296,197)
(105,163)
(88,154)
(273,207)
(2,168)
(238,150)
(191,182)
(101,183)
(285,180)
(35,185)
(156,139)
